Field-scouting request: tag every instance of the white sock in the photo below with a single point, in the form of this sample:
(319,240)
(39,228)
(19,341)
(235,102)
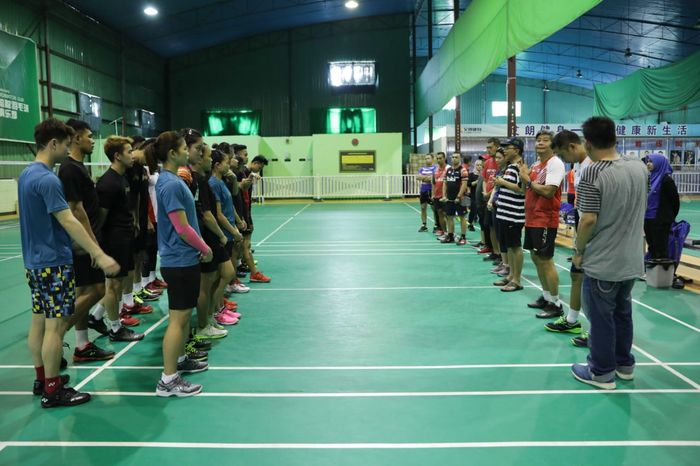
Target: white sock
(572,316)
(168,378)
(151,276)
(128,299)
(181,358)
(547,296)
(99,312)
(145,281)
(114,325)
(137,287)
(81,339)
(555,299)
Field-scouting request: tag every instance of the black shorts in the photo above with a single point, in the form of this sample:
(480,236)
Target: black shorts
(183,286)
(451,209)
(123,253)
(540,241)
(509,234)
(437,204)
(220,255)
(85,273)
(53,290)
(425,197)
(487,224)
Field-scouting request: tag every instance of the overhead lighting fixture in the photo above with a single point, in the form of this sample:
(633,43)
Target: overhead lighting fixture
(628,52)
(351,4)
(150,11)
(578,74)
(546,87)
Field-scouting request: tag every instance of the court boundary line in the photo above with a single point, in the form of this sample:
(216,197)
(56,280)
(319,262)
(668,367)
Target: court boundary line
(283,224)
(357,446)
(433,394)
(366,368)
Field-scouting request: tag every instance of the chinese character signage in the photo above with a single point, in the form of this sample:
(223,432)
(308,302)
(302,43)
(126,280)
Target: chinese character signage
(19,88)
(622,130)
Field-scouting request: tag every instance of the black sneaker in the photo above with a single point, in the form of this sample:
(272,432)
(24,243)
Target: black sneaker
(580,341)
(190,366)
(550,311)
(471,228)
(97,325)
(422,229)
(125,334)
(561,325)
(92,352)
(241,274)
(39,384)
(540,303)
(199,344)
(193,354)
(64,396)
(435,229)
(497,262)
(448,239)
(492,257)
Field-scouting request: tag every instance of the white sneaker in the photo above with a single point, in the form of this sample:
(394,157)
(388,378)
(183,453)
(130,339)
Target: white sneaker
(211,333)
(240,288)
(229,289)
(215,324)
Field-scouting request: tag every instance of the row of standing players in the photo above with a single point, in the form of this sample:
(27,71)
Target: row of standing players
(507,196)
(170,195)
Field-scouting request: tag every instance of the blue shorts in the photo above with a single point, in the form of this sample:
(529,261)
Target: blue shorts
(53,290)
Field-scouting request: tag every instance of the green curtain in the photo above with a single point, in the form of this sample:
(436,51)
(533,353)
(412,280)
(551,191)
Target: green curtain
(650,90)
(487,33)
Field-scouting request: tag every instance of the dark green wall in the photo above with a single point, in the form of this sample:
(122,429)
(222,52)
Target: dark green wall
(255,73)
(86,56)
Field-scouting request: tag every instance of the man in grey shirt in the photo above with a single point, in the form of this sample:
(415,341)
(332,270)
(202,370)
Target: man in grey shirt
(611,198)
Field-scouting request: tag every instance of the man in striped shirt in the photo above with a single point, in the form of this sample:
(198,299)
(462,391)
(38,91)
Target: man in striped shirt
(510,213)
(612,197)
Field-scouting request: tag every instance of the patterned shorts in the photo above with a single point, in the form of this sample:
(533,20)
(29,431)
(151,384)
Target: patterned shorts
(53,290)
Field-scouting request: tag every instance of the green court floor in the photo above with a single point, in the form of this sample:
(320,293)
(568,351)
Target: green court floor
(373,345)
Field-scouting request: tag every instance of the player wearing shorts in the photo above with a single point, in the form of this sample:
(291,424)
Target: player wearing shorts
(47,228)
(425,176)
(454,191)
(438,193)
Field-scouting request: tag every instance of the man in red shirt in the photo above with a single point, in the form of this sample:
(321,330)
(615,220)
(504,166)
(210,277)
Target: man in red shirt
(438,186)
(489,173)
(542,201)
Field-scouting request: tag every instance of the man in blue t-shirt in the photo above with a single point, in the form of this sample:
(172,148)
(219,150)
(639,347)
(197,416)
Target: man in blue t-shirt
(47,227)
(425,176)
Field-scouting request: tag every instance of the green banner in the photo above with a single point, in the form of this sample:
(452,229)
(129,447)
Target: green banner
(487,34)
(650,90)
(19,88)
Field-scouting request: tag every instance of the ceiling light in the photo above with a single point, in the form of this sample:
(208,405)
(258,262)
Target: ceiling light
(351,4)
(578,74)
(150,11)
(545,88)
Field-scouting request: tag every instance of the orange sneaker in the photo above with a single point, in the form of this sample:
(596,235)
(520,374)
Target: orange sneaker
(137,309)
(259,277)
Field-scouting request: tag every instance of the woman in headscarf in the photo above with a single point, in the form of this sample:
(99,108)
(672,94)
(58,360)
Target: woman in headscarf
(662,206)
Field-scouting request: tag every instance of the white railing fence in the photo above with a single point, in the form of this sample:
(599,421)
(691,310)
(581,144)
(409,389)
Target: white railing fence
(337,187)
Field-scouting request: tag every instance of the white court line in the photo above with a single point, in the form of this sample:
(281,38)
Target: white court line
(683,323)
(399,288)
(9,258)
(479,393)
(104,366)
(378,253)
(362,446)
(283,224)
(367,368)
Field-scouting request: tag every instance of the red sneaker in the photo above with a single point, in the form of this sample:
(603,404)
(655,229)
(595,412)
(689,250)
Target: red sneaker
(259,277)
(485,250)
(230,305)
(137,309)
(153,289)
(439,233)
(159,283)
(128,321)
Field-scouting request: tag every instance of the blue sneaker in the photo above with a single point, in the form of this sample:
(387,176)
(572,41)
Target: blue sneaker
(582,373)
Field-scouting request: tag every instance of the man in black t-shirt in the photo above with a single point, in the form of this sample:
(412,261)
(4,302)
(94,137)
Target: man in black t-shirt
(82,199)
(117,234)
(454,191)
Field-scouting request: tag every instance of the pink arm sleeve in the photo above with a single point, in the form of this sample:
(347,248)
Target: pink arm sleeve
(190,235)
